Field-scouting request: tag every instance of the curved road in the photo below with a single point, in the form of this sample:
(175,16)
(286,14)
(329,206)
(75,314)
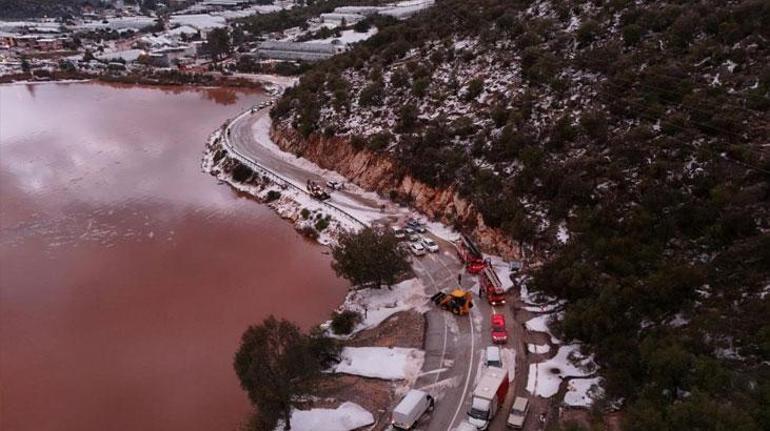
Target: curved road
(453,345)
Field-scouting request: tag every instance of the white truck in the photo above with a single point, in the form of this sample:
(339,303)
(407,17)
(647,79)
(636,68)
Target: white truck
(488,396)
(411,408)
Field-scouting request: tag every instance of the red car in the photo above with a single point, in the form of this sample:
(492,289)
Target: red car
(499,334)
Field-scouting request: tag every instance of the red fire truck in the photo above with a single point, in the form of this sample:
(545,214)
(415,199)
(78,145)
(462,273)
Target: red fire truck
(492,286)
(470,255)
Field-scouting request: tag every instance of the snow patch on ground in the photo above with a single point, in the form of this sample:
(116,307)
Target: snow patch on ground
(348,416)
(397,363)
(545,377)
(509,362)
(583,392)
(540,324)
(563,234)
(538,348)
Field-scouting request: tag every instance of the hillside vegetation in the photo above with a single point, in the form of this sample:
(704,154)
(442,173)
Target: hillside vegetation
(16,9)
(641,128)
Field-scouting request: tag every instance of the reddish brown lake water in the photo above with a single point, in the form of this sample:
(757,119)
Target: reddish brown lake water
(126,274)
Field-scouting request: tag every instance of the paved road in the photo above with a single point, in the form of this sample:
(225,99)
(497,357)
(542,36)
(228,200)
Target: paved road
(453,344)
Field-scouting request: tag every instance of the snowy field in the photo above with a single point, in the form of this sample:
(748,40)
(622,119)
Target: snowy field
(397,363)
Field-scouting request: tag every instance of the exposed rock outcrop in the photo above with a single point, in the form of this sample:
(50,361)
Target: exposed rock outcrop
(378,172)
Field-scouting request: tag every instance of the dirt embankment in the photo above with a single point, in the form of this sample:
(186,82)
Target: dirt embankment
(380,173)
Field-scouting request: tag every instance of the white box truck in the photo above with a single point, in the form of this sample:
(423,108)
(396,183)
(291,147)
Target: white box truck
(411,408)
(488,396)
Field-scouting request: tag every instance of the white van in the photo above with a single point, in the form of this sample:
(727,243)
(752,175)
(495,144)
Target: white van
(493,357)
(411,408)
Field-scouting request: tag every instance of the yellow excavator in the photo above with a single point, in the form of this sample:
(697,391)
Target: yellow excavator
(457,301)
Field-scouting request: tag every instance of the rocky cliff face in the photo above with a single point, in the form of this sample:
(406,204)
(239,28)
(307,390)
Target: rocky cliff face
(378,172)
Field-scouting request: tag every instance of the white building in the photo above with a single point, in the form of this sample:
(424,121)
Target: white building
(338,18)
(298,51)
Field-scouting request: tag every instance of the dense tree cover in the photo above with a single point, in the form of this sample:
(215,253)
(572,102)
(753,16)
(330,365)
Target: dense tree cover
(218,43)
(660,172)
(369,258)
(16,9)
(277,364)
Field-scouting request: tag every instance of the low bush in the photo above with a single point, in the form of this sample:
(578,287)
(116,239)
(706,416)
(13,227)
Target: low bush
(345,321)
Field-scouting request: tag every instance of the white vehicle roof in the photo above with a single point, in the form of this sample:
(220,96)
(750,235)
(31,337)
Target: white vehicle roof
(489,383)
(409,402)
(520,404)
(417,245)
(493,353)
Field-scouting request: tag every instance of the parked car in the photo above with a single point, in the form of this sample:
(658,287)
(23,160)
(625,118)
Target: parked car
(493,357)
(408,230)
(430,245)
(417,249)
(518,414)
(411,408)
(415,238)
(334,185)
(415,225)
(400,234)
(499,333)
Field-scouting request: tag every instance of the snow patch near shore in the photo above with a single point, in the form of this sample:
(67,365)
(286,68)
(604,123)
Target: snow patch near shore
(376,305)
(348,416)
(396,363)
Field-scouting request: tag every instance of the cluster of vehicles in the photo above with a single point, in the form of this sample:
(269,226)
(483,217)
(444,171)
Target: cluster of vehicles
(490,393)
(493,384)
(317,191)
(415,243)
(488,396)
(262,105)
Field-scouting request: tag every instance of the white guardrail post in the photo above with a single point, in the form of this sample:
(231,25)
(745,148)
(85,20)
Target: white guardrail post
(275,177)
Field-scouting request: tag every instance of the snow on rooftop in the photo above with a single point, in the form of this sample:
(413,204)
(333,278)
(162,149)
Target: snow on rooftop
(348,37)
(127,55)
(348,416)
(200,21)
(397,363)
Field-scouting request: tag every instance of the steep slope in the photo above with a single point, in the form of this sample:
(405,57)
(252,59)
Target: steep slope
(626,142)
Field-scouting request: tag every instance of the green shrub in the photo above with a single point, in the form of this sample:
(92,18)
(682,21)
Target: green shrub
(344,322)
(305,213)
(272,195)
(322,224)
